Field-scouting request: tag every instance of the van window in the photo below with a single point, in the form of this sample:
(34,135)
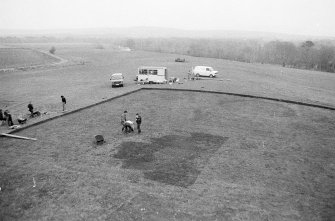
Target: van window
(153,72)
(207,69)
(143,71)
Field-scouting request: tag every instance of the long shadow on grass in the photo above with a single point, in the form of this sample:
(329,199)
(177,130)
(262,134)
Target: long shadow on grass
(173,159)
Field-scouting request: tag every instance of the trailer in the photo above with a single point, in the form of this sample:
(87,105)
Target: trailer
(152,75)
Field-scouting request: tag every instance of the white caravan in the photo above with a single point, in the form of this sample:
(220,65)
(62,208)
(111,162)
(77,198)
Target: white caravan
(151,75)
(204,71)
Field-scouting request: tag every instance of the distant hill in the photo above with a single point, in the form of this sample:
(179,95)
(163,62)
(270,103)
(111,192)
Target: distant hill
(158,32)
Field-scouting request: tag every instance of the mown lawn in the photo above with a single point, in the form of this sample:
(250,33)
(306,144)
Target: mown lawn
(200,156)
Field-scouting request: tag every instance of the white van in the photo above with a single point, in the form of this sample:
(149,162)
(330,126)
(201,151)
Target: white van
(204,71)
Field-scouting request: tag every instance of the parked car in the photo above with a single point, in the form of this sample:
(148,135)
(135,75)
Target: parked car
(179,60)
(204,71)
(117,80)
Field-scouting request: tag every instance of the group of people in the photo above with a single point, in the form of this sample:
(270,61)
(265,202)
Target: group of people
(7,117)
(127,125)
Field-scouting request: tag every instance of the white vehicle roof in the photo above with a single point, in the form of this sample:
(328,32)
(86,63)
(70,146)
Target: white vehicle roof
(117,74)
(151,67)
(202,67)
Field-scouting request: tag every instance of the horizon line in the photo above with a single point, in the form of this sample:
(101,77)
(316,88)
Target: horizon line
(62,30)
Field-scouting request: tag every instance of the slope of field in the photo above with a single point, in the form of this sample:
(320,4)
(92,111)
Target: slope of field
(89,82)
(200,156)
(23,57)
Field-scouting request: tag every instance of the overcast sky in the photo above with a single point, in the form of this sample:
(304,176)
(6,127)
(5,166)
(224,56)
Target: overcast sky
(308,17)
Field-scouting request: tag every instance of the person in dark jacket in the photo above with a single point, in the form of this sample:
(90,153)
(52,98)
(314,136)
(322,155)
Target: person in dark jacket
(138,122)
(1,115)
(31,109)
(63,102)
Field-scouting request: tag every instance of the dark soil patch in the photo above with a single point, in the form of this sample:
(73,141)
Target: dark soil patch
(170,159)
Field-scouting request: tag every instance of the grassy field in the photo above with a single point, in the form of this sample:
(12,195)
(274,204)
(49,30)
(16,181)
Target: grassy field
(88,78)
(84,79)
(23,57)
(200,157)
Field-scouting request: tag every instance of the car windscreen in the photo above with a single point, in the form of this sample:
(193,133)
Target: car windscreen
(117,77)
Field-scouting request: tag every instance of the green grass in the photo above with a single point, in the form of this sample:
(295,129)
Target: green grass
(200,156)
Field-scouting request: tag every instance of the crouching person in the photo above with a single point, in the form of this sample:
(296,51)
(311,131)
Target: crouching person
(21,120)
(9,118)
(129,126)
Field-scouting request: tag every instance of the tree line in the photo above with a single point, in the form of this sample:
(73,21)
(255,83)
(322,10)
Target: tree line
(304,55)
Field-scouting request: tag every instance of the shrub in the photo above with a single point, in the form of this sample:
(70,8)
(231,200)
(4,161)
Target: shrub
(52,50)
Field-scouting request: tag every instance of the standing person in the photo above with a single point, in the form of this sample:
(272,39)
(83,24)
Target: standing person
(138,122)
(31,109)
(192,76)
(63,102)
(123,120)
(2,118)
